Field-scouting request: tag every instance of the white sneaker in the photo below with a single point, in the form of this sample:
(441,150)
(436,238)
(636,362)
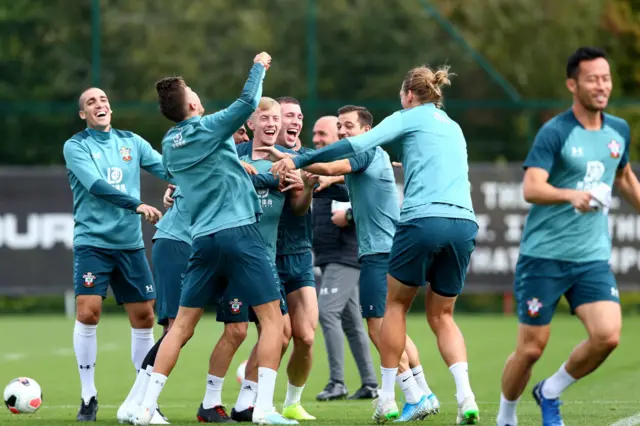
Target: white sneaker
(143,418)
(270,418)
(386,410)
(468,412)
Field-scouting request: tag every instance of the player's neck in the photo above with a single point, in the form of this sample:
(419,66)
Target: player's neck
(259,155)
(105,129)
(590,120)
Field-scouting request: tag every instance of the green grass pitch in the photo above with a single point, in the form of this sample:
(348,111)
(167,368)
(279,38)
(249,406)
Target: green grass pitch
(41,347)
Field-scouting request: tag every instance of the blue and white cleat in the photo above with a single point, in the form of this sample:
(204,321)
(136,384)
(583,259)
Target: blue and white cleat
(550,408)
(270,418)
(435,404)
(418,411)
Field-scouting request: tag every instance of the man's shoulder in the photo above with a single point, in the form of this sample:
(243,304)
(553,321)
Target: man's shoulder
(79,137)
(302,150)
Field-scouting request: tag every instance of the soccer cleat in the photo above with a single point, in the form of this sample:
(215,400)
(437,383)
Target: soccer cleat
(242,416)
(142,418)
(418,411)
(158,418)
(125,412)
(216,414)
(365,392)
(296,412)
(386,410)
(550,408)
(87,412)
(270,418)
(333,391)
(435,404)
(468,412)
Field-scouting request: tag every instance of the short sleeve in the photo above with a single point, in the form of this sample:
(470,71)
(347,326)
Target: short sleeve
(360,162)
(625,131)
(546,146)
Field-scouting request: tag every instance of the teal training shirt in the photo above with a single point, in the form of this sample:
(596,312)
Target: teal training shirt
(272,203)
(434,157)
(374,199)
(200,153)
(575,158)
(176,221)
(114,157)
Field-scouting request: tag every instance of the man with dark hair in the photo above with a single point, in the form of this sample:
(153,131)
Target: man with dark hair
(241,135)
(227,247)
(103,166)
(576,158)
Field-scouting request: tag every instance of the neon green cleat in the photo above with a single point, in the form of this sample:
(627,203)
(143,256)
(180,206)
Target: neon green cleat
(296,412)
(468,412)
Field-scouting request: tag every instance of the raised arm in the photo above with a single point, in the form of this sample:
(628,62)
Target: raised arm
(389,130)
(151,160)
(229,120)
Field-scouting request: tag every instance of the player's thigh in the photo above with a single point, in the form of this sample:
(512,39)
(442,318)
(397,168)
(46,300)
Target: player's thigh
(169,259)
(303,311)
(92,269)
(538,286)
(373,284)
(456,239)
(595,299)
(247,265)
(412,252)
(202,283)
(132,279)
(296,271)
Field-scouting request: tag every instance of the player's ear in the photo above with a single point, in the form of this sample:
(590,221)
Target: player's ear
(250,125)
(82,115)
(571,85)
(367,128)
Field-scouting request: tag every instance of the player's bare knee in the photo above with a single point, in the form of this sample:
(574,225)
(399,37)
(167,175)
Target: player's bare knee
(439,319)
(305,341)
(605,340)
(235,333)
(88,311)
(530,352)
(142,317)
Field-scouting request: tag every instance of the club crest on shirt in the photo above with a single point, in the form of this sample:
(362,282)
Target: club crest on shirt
(614,148)
(88,279)
(125,153)
(534,307)
(234,306)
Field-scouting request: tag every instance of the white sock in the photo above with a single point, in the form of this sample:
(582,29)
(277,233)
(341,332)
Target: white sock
(85,345)
(156,383)
(266,388)
(460,371)
(141,343)
(213,394)
(144,384)
(421,380)
(247,395)
(388,382)
(137,385)
(556,384)
(507,412)
(408,385)
(294,393)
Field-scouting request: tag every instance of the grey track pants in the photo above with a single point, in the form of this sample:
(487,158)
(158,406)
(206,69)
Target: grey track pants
(339,304)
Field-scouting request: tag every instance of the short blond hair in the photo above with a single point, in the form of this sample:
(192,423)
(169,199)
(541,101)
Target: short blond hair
(266,103)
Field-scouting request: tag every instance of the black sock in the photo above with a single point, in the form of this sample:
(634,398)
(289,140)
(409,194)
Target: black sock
(150,359)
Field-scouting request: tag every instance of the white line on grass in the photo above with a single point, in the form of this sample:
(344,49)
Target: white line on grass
(628,421)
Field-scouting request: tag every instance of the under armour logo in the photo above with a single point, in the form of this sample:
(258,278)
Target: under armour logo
(159,383)
(210,382)
(85,367)
(247,387)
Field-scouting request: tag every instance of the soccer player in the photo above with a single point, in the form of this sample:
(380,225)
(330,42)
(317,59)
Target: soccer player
(241,136)
(566,244)
(227,247)
(374,198)
(437,230)
(104,165)
(233,311)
